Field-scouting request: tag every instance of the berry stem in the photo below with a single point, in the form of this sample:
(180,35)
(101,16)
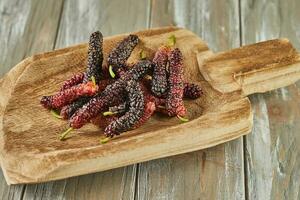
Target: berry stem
(108,113)
(183,119)
(111,72)
(93,80)
(171,41)
(56,114)
(104,140)
(143,55)
(64,134)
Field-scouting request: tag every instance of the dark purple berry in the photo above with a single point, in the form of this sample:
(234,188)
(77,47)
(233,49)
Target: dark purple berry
(95,57)
(119,55)
(133,115)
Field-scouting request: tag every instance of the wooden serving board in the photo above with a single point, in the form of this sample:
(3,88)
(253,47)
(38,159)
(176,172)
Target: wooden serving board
(31,151)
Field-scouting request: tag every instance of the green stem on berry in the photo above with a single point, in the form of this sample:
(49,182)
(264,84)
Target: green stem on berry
(56,114)
(143,55)
(64,134)
(171,41)
(108,113)
(104,140)
(93,80)
(111,72)
(183,119)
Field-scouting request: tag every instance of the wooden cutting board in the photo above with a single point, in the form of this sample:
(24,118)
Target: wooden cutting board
(31,151)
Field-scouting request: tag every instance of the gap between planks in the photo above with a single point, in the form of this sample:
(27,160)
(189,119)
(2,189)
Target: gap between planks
(244,141)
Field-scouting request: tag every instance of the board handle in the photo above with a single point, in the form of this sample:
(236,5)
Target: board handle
(255,68)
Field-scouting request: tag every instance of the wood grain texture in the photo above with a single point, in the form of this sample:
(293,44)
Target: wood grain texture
(79,19)
(272,150)
(18,19)
(215,173)
(255,68)
(112,184)
(10,192)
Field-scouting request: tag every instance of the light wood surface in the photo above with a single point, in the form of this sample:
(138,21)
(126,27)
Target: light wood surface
(221,175)
(272,150)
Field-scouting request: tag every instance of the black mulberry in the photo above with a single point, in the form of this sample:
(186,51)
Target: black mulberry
(95,57)
(119,55)
(132,116)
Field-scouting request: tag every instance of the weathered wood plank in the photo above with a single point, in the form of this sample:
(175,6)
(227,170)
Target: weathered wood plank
(272,150)
(79,19)
(27,27)
(10,192)
(113,184)
(215,173)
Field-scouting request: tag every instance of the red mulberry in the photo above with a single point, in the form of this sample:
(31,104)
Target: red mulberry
(119,55)
(174,102)
(68,110)
(134,113)
(192,91)
(159,80)
(74,80)
(69,95)
(95,57)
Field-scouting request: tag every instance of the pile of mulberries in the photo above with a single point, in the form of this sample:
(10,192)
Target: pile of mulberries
(117,97)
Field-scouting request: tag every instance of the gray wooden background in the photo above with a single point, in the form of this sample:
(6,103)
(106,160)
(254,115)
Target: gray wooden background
(263,165)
